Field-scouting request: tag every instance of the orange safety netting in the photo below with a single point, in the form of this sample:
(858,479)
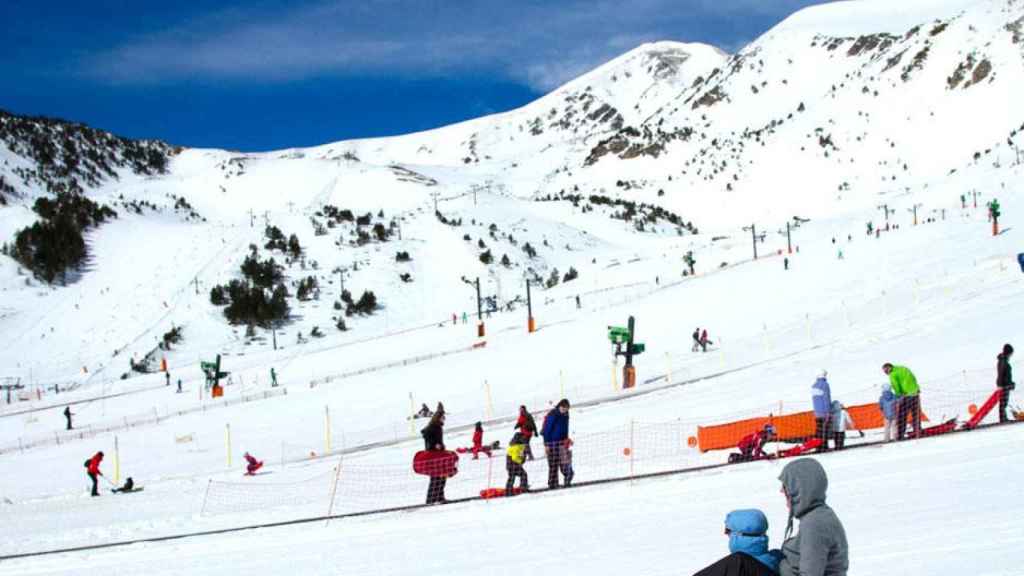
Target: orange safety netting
(788,427)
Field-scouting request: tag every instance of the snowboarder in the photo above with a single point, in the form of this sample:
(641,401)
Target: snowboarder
(704,340)
(167,378)
(751,446)
(129,486)
(273,378)
(514,458)
(433,440)
(252,464)
(841,422)
(578,305)
(887,404)
(557,445)
(179,385)
(785,263)
(424,412)
(455,319)
(821,400)
(696,339)
(1004,379)
(820,546)
(92,469)
(68,415)
(528,428)
(908,398)
(748,547)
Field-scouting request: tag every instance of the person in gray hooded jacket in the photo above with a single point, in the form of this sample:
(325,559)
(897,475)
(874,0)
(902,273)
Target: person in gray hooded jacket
(820,548)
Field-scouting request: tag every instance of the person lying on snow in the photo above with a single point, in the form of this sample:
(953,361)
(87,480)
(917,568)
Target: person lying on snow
(253,464)
(129,485)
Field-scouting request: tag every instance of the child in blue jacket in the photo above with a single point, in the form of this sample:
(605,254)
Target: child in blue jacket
(887,404)
(748,547)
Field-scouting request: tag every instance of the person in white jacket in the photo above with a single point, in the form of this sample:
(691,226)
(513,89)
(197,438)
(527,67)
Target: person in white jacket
(841,422)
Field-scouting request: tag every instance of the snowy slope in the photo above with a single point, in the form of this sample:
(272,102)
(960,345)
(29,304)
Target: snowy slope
(941,297)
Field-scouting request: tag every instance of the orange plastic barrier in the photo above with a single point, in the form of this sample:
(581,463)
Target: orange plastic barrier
(788,427)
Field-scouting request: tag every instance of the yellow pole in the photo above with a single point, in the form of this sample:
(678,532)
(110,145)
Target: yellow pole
(615,378)
(412,412)
(668,366)
(327,429)
(487,395)
(227,437)
(117,462)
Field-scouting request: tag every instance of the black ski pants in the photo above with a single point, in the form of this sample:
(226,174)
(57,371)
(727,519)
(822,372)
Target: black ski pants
(515,469)
(821,430)
(736,564)
(908,406)
(435,490)
(558,460)
(95,484)
(1004,401)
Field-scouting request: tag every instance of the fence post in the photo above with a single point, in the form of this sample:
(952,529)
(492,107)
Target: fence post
(632,433)
(117,461)
(668,367)
(206,496)
(334,489)
(615,377)
(412,413)
(327,429)
(227,438)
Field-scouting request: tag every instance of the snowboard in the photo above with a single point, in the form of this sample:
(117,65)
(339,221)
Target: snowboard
(135,489)
(436,463)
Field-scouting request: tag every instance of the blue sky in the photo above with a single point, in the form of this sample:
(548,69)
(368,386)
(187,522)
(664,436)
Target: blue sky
(268,74)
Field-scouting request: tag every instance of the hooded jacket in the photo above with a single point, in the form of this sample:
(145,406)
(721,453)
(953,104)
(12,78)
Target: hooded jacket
(841,421)
(1004,373)
(821,396)
(748,533)
(556,426)
(820,548)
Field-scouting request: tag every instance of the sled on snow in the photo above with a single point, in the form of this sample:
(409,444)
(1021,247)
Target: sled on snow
(436,463)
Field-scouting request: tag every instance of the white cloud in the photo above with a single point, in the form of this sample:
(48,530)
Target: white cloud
(532,41)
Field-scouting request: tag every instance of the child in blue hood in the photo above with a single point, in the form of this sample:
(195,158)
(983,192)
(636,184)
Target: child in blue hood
(748,547)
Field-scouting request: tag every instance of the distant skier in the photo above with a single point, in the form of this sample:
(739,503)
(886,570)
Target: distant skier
(696,339)
(514,458)
(179,385)
(526,426)
(908,398)
(92,469)
(424,412)
(252,464)
(704,340)
(578,305)
(821,400)
(1004,379)
(167,378)
(465,318)
(68,415)
(785,263)
(478,442)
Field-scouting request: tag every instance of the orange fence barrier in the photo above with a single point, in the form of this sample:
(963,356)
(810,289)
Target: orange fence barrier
(788,427)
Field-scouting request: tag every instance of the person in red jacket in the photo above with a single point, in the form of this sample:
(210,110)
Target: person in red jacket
(478,442)
(527,427)
(252,464)
(92,468)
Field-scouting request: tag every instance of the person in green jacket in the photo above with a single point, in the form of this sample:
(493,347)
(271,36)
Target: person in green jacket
(908,398)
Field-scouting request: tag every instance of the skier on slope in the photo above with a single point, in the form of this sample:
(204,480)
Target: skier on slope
(704,340)
(68,414)
(696,339)
(252,464)
(908,398)
(92,469)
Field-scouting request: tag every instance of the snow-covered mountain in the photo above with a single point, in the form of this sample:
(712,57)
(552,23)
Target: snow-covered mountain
(838,109)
